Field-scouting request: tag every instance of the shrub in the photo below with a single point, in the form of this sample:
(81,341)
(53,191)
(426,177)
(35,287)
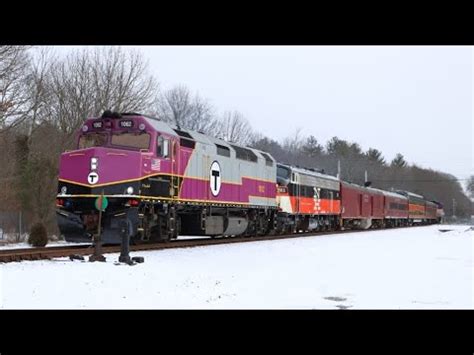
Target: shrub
(38,235)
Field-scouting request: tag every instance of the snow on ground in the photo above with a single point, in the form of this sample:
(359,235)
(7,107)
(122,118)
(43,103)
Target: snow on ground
(420,268)
(22,245)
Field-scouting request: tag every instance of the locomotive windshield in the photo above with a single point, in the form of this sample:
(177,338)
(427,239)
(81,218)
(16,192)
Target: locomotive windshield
(283,172)
(92,140)
(139,140)
(131,140)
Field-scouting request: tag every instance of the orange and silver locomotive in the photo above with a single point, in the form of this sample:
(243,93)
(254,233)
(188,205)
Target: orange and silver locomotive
(308,200)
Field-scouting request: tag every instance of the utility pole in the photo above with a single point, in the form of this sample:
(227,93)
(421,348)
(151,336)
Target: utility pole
(366,176)
(339,169)
(454,208)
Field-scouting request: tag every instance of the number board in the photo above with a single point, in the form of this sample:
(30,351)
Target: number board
(126,124)
(97,124)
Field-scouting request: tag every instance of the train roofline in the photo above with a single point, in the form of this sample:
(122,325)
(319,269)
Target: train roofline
(168,128)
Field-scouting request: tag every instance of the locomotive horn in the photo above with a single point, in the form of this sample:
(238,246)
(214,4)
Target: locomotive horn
(111,114)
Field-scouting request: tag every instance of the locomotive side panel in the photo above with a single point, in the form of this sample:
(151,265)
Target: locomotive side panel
(214,174)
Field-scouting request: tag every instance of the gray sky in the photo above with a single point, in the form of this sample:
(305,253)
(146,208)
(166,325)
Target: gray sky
(416,100)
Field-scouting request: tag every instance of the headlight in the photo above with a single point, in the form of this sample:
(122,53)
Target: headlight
(129,190)
(94,163)
(85,128)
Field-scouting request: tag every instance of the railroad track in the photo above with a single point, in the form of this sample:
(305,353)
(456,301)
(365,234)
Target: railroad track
(42,253)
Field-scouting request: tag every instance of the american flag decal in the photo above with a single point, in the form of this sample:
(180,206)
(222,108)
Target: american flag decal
(155,164)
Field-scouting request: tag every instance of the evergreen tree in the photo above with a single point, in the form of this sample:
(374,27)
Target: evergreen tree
(399,161)
(312,148)
(375,156)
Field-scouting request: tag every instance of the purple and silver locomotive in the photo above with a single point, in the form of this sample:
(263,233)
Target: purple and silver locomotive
(161,181)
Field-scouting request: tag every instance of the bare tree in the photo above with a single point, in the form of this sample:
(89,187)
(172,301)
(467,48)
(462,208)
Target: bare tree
(36,87)
(470,186)
(294,143)
(234,127)
(121,80)
(177,106)
(14,62)
(62,93)
(87,83)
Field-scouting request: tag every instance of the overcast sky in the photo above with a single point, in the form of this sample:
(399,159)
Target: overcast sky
(416,100)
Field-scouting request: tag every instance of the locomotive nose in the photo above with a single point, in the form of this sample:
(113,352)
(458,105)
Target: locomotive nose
(99,166)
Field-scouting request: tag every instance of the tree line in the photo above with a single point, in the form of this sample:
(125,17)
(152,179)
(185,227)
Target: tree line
(45,97)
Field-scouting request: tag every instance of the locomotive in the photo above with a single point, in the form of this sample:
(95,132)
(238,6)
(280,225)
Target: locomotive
(162,181)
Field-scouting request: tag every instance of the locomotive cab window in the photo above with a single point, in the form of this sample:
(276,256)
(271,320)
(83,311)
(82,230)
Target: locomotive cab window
(162,147)
(283,172)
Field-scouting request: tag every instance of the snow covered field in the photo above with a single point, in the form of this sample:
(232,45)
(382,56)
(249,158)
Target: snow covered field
(419,268)
(25,245)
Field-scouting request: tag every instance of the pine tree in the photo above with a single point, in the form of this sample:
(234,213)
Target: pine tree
(374,155)
(312,148)
(398,161)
